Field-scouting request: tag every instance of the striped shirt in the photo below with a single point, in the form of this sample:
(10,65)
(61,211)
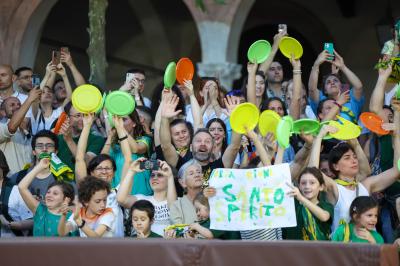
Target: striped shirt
(262,234)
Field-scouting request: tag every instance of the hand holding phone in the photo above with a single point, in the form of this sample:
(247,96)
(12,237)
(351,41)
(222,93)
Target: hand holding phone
(55,58)
(149,165)
(328,46)
(282,28)
(35,81)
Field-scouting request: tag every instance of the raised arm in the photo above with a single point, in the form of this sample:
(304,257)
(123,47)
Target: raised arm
(301,158)
(19,115)
(228,158)
(31,202)
(196,112)
(67,59)
(124,197)
(351,77)
(124,144)
(264,157)
(61,71)
(365,169)
(251,83)
(295,108)
(385,179)
(275,46)
(320,213)
(166,171)
(168,112)
(313,91)
(80,162)
(343,98)
(378,94)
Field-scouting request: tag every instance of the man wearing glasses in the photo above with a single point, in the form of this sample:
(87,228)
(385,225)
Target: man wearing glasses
(134,84)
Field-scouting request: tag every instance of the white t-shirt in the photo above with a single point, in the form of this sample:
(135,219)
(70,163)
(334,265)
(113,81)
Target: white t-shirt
(342,207)
(161,214)
(17,209)
(40,122)
(16,148)
(389,95)
(119,216)
(107,219)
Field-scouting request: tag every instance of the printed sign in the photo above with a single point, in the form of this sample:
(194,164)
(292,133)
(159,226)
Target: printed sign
(249,199)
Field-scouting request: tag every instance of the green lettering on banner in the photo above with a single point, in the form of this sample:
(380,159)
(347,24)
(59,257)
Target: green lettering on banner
(225,190)
(266,172)
(279,195)
(255,195)
(231,208)
(267,209)
(231,175)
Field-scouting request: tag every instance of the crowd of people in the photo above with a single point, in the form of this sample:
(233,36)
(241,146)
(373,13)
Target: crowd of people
(145,174)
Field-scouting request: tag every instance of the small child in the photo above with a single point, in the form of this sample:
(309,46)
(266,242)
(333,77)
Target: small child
(142,213)
(314,216)
(361,229)
(94,219)
(58,198)
(202,228)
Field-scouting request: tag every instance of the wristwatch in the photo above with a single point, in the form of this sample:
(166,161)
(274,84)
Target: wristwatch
(82,224)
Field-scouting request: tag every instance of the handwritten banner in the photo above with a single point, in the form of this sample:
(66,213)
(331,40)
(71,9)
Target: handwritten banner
(250,199)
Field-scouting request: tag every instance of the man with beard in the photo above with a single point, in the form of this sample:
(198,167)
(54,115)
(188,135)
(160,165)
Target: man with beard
(69,136)
(24,79)
(201,147)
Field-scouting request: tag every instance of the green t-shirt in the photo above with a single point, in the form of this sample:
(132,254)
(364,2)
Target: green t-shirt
(393,191)
(338,236)
(300,232)
(220,234)
(45,223)
(141,183)
(154,235)
(95,145)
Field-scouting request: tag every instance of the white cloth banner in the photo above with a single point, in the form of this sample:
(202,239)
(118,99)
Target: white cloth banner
(250,199)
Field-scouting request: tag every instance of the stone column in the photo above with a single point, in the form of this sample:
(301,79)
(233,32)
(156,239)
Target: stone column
(219,28)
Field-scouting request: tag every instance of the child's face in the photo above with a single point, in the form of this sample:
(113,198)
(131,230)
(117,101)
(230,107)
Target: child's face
(141,221)
(202,211)
(368,219)
(98,202)
(54,197)
(309,186)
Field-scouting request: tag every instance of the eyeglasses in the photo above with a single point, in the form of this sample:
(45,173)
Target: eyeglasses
(141,81)
(44,145)
(104,169)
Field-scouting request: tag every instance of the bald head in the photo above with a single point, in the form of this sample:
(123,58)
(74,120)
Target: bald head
(7,78)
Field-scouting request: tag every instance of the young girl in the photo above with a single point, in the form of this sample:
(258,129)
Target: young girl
(58,196)
(201,229)
(361,229)
(142,217)
(217,129)
(94,219)
(314,217)
(140,146)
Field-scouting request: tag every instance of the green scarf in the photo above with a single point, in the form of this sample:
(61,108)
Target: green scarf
(310,230)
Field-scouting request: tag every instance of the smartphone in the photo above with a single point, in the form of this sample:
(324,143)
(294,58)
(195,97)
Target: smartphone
(129,77)
(55,58)
(282,27)
(64,50)
(328,46)
(149,165)
(35,80)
